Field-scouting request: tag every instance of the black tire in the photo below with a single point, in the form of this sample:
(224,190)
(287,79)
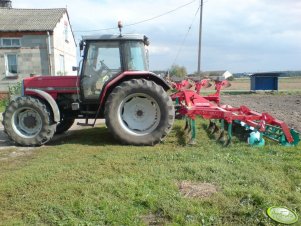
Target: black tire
(3,122)
(64,125)
(28,122)
(139,112)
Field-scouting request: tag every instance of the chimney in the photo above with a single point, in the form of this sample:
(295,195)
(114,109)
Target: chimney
(5,4)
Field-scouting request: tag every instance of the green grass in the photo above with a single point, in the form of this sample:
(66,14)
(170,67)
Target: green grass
(3,104)
(87,178)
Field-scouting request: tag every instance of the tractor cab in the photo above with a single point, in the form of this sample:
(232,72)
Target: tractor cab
(107,56)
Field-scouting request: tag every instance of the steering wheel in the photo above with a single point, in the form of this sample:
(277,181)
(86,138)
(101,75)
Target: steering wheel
(104,66)
(107,74)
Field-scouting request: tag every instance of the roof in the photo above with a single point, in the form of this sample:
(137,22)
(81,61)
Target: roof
(268,74)
(30,19)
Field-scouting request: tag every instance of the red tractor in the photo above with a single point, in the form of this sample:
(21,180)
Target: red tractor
(113,83)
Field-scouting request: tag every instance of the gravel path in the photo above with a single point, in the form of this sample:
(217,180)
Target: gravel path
(5,143)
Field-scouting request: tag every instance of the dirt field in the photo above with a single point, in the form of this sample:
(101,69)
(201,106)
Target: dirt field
(284,107)
(284,84)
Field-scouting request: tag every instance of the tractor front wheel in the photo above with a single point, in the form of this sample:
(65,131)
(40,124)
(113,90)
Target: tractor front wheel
(139,112)
(27,121)
(64,125)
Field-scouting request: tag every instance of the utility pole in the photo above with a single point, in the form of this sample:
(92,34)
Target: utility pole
(200,37)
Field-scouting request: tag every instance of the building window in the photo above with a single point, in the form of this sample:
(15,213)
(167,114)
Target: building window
(66,32)
(11,64)
(10,42)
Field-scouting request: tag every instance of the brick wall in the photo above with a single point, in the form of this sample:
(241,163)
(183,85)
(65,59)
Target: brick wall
(3,95)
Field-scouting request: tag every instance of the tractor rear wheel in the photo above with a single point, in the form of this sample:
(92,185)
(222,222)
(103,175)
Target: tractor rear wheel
(28,122)
(139,112)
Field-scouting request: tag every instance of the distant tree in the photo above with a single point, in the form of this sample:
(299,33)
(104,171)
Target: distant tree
(178,71)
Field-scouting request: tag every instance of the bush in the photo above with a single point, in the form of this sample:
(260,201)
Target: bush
(3,104)
(15,90)
(231,78)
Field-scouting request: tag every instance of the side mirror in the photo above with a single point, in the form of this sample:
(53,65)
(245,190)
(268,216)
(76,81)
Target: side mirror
(81,45)
(146,41)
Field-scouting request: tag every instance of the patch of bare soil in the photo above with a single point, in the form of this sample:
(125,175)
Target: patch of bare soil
(153,219)
(9,150)
(284,107)
(197,189)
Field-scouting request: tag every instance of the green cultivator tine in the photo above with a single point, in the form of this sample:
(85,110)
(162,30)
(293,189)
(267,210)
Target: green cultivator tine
(193,132)
(228,142)
(223,139)
(211,126)
(216,130)
(222,124)
(222,136)
(220,131)
(190,130)
(186,128)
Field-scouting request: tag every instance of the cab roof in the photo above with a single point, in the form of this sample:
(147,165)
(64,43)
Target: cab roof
(110,37)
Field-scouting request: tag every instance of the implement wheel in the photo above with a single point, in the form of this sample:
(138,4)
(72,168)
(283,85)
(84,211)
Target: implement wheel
(27,121)
(139,112)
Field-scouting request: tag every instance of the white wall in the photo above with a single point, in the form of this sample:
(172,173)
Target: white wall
(66,48)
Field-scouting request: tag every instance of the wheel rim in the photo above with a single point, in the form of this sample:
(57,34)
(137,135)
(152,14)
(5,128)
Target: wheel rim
(26,122)
(139,114)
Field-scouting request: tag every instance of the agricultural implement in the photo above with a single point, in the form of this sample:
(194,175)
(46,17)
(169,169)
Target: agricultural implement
(225,119)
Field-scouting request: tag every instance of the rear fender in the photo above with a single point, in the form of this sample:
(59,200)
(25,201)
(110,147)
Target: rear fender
(128,75)
(55,109)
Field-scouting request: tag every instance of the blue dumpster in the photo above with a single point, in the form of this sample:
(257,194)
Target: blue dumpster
(265,81)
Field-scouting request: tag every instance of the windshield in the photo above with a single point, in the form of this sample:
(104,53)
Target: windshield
(135,56)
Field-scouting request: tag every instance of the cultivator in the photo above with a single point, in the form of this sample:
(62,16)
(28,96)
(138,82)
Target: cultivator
(225,119)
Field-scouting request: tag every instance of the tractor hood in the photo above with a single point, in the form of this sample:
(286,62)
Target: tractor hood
(52,84)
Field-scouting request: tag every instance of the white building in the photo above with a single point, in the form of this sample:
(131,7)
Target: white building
(34,41)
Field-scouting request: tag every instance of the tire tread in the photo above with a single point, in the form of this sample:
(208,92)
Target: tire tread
(164,101)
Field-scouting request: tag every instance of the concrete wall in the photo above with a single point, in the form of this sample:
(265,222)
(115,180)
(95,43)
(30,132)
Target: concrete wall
(63,47)
(4,95)
(32,58)
(33,55)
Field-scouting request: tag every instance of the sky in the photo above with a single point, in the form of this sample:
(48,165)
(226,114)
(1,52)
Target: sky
(238,36)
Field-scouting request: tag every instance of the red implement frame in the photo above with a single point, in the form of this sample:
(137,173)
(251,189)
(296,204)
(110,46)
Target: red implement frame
(192,104)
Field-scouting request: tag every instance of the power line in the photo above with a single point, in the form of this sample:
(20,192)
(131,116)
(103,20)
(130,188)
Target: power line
(185,37)
(142,21)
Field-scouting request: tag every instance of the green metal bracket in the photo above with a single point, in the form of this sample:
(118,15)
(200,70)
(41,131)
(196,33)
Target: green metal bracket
(275,133)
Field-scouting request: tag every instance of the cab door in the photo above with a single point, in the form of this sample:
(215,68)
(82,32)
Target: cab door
(102,62)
